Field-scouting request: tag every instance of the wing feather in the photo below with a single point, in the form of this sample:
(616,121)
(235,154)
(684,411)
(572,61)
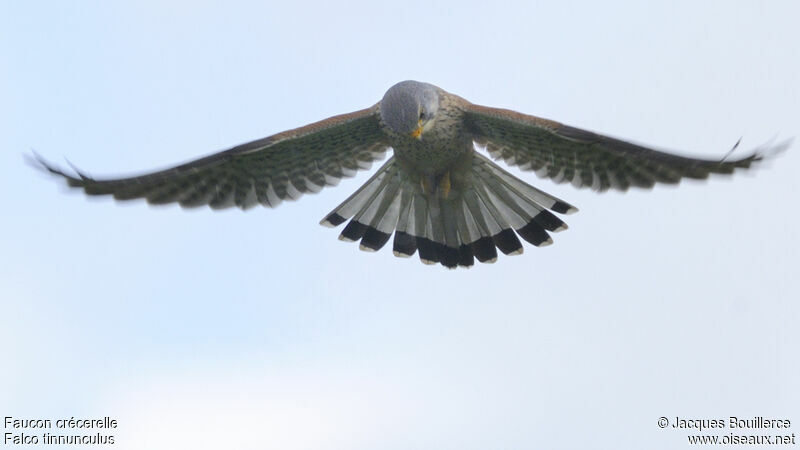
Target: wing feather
(267,171)
(586,159)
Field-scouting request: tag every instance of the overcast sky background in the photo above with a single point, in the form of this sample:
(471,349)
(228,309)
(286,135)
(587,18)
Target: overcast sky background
(207,330)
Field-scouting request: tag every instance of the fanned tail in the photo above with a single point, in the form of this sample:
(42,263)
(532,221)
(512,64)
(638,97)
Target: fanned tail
(487,212)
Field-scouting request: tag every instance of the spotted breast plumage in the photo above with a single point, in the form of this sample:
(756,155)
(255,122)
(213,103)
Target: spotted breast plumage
(437,195)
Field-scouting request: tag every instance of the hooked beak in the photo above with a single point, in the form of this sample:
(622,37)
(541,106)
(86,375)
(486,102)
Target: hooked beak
(417,133)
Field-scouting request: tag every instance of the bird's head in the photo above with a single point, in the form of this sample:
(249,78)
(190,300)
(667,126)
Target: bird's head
(409,107)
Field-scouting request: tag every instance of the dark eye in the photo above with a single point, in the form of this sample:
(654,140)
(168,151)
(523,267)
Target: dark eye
(421,115)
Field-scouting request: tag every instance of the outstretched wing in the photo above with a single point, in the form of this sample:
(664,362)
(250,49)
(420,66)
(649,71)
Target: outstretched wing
(265,171)
(586,159)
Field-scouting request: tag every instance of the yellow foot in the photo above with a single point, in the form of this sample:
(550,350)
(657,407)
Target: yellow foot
(444,184)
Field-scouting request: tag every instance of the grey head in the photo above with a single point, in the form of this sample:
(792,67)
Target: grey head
(408,106)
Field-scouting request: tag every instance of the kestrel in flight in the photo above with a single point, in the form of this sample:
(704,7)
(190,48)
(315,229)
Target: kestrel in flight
(437,194)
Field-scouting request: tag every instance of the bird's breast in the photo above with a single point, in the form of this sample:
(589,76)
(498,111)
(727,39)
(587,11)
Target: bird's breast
(440,147)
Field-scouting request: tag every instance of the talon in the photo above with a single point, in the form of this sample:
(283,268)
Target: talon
(444,184)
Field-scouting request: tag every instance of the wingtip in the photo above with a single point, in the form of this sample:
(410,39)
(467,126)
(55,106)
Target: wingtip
(76,170)
(730,152)
(764,152)
(36,161)
(767,151)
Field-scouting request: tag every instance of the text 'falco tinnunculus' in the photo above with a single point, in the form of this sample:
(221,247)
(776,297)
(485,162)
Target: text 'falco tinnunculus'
(437,194)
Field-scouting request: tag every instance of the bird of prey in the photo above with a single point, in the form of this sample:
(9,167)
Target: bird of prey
(439,197)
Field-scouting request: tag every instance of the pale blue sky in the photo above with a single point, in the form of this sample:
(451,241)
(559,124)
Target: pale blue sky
(225,329)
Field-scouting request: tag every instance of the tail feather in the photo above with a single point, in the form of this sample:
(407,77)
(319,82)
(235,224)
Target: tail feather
(488,226)
(504,217)
(437,243)
(484,250)
(450,255)
(468,229)
(380,216)
(404,207)
(485,213)
(483,247)
(405,245)
(539,197)
(359,198)
(375,206)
